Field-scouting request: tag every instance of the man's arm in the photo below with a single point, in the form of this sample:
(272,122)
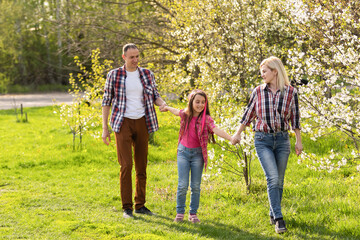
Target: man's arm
(105,118)
(161,103)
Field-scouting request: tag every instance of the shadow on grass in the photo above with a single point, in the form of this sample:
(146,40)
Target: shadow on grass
(319,232)
(209,229)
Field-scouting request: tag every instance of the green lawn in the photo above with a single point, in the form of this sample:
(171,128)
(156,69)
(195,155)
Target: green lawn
(49,191)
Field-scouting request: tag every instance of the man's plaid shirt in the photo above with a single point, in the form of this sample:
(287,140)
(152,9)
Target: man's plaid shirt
(115,96)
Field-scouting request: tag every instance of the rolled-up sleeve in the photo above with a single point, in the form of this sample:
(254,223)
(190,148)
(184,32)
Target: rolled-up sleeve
(153,85)
(108,90)
(250,114)
(295,112)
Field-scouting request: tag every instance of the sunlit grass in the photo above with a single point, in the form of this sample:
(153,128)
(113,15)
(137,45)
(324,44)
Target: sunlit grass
(49,191)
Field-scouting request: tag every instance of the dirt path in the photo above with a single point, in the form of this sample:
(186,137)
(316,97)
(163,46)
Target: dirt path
(8,101)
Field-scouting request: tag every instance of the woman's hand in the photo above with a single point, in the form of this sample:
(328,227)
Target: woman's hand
(298,147)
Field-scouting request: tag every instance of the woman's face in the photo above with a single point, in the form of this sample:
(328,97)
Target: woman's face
(198,105)
(268,75)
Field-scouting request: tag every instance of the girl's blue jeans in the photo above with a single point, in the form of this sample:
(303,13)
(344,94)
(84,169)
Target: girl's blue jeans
(189,161)
(273,150)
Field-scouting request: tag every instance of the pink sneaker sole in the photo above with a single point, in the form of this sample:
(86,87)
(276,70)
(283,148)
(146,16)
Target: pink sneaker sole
(193,219)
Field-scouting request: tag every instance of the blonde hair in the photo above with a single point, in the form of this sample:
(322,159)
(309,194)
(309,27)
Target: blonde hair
(282,78)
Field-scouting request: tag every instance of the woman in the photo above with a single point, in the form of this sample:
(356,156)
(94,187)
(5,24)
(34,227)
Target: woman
(274,106)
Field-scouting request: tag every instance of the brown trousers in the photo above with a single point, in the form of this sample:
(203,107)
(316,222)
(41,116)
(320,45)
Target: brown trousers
(133,133)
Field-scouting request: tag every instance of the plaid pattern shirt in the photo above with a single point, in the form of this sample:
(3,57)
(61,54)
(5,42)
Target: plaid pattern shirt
(273,111)
(115,95)
(203,135)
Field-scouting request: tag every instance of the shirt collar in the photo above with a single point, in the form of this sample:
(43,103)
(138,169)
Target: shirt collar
(266,87)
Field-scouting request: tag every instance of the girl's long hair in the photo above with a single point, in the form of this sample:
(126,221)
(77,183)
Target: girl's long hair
(189,111)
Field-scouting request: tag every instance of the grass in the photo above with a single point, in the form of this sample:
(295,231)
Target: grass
(49,191)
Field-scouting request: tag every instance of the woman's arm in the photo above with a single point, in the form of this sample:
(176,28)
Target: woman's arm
(298,143)
(174,111)
(221,133)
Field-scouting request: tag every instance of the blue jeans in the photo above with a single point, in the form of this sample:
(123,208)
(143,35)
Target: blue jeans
(273,150)
(189,160)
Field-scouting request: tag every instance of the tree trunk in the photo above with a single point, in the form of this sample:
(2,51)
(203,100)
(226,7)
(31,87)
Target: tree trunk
(59,42)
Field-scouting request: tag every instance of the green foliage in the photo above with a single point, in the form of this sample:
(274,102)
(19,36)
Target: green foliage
(4,82)
(84,113)
(28,53)
(45,88)
(218,45)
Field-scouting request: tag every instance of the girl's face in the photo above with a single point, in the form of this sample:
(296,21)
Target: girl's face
(268,75)
(198,105)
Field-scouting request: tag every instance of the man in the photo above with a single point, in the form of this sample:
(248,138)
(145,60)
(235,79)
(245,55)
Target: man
(132,92)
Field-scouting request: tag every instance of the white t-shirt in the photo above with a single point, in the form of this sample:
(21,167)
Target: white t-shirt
(135,107)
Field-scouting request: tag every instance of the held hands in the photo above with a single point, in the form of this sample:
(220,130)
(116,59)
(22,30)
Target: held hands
(163,107)
(236,138)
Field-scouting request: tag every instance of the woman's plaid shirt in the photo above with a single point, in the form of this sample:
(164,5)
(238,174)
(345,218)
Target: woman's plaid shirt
(272,111)
(115,95)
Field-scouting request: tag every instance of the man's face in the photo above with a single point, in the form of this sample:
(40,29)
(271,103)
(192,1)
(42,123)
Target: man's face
(131,58)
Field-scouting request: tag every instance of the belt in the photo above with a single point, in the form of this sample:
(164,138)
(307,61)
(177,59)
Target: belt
(272,131)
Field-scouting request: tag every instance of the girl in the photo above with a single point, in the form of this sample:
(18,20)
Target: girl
(196,130)
(274,105)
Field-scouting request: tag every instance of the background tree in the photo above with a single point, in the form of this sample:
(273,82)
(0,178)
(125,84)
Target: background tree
(326,53)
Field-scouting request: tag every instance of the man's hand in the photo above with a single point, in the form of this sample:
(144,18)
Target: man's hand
(162,108)
(106,136)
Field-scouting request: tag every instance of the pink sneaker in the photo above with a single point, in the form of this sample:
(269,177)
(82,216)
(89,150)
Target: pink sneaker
(193,218)
(179,217)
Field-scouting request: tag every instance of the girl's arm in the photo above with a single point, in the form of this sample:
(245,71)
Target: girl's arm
(174,111)
(221,133)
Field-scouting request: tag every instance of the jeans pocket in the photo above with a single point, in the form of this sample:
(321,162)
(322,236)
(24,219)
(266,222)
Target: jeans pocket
(259,136)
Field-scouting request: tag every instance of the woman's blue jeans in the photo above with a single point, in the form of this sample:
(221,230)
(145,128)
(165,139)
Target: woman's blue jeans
(189,160)
(273,150)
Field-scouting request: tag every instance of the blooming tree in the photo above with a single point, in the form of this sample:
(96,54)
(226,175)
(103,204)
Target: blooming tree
(326,52)
(84,113)
(219,45)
